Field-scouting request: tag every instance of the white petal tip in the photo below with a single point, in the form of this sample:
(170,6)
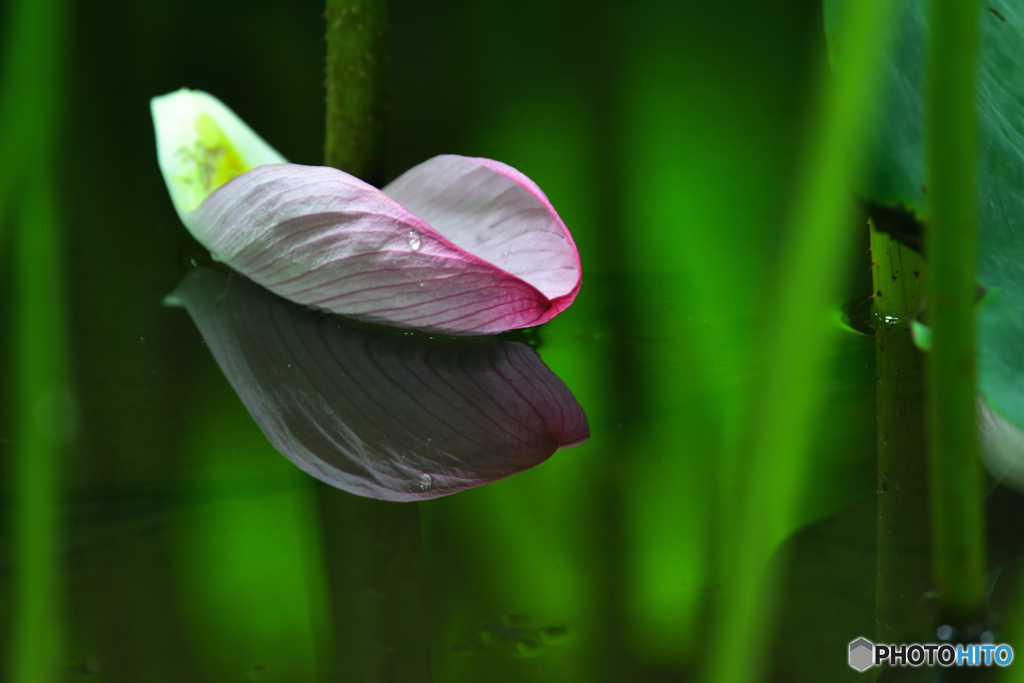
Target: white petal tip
(202,144)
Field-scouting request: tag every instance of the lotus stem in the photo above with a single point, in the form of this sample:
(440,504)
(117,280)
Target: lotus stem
(374,560)
(32,58)
(42,425)
(374,548)
(775,445)
(355,84)
(957,516)
(903,544)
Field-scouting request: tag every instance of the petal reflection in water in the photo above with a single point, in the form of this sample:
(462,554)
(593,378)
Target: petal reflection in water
(380,413)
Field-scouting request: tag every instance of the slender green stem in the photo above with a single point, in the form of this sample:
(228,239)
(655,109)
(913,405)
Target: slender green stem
(375,564)
(32,56)
(959,554)
(29,89)
(903,551)
(776,443)
(374,550)
(43,422)
(356,74)
(1012,633)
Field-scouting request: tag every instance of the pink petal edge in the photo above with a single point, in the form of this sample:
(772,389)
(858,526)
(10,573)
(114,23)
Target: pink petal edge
(323,238)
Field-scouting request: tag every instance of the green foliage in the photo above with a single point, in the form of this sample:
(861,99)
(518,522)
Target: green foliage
(675,141)
(897,173)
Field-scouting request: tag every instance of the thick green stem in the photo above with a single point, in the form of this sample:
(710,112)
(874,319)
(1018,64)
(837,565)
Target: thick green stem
(959,554)
(375,563)
(775,446)
(374,550)
(43,422)
(356,87)
(29,89)
(39,393)
(903,545)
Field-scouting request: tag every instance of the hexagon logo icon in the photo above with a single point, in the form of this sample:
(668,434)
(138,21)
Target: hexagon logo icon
(862,654)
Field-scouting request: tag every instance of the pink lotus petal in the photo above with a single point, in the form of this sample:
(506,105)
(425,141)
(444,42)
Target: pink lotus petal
(495,212)
(487,253)
(381,413)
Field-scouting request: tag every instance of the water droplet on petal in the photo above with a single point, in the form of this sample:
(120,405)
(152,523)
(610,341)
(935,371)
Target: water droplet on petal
(414,240)
(426,482)
(506,256)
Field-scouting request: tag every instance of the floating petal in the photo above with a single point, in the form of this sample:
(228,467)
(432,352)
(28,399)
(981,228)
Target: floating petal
(497,213)
(488,255)
(379,413)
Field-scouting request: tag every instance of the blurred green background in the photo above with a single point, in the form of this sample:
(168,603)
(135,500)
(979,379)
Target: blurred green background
(666,134)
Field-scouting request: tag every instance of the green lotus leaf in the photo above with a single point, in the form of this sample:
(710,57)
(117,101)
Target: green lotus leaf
(896,174)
